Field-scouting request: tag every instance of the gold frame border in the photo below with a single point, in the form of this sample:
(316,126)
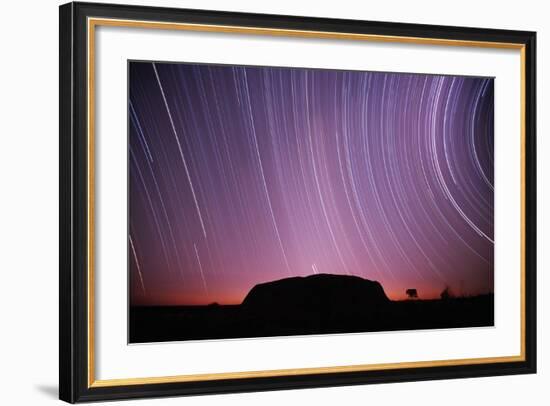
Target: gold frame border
(92,23)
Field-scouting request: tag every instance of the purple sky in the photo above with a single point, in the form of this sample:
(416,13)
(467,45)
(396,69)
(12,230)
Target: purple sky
(242,175)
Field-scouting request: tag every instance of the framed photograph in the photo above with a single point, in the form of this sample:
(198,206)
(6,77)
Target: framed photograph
(255,202)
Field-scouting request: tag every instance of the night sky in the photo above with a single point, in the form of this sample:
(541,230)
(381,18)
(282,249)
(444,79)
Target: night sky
(242,175)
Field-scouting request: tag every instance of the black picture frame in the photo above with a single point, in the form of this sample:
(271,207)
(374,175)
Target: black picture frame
(74,289)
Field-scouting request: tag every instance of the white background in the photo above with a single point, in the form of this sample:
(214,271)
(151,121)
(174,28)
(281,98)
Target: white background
(28,204)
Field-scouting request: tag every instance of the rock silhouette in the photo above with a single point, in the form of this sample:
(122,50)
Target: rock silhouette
(322,293)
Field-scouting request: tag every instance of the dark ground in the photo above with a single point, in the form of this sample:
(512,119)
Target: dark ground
(179,323)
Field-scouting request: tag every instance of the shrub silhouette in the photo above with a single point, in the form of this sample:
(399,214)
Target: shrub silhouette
(446,294)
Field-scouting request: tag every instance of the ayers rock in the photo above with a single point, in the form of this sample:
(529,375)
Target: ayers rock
(326,294)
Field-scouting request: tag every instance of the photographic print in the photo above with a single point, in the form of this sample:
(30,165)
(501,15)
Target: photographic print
(335,184)
(277,201)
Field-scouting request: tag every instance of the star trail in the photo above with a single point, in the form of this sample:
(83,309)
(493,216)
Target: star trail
(240,175)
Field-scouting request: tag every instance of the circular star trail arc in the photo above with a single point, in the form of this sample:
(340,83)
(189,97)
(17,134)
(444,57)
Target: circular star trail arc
(242,175)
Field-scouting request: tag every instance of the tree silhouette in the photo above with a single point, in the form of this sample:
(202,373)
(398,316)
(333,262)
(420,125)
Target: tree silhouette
(412,293)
